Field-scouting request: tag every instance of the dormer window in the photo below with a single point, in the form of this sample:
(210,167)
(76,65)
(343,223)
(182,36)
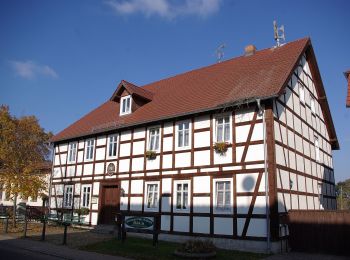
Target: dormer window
(125,105)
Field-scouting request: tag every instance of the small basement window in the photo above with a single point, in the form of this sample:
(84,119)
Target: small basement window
(125,105)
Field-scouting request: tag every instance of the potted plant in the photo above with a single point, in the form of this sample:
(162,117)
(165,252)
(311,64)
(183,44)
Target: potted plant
(151,155)
(221,147)
(196,248)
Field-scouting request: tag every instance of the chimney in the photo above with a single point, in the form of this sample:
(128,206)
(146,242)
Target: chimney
(249,50)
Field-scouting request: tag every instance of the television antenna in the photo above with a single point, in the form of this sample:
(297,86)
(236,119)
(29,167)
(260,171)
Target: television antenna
(220,52)
(279,33)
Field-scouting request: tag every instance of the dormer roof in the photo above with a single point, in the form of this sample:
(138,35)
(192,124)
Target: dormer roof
(132,90)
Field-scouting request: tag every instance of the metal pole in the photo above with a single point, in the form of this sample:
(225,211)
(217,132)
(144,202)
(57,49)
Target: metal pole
(65,234)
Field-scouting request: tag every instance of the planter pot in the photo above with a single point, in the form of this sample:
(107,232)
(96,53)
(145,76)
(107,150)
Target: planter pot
(195,255)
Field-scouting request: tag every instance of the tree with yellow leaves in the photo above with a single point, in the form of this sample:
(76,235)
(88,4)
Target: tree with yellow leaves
(24,155)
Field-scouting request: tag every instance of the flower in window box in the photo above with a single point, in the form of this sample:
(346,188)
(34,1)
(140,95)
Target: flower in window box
(151,155)
(221,147)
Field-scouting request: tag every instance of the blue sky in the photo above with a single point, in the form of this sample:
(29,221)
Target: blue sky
(60,59)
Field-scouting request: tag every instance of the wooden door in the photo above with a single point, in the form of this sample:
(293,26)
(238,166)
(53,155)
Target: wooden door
(109,204)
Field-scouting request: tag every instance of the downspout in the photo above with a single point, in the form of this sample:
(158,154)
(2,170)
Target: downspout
(268,238)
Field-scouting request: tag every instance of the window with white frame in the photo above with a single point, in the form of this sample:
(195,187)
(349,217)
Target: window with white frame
(312,105)
(72,152)
(153,144)
(222,129)
(125,105)
(85,200)
(223,195)
(317,149)
(89,151)
(183,134)
(152,199)
(68,196)
(112,146)
(182,195)
(301,93)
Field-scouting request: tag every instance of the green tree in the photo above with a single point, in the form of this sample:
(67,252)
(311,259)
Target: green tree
(24,155)
(343,194)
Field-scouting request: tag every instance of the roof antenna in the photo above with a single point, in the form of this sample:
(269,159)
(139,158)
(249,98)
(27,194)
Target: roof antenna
(220,52)
(278,34)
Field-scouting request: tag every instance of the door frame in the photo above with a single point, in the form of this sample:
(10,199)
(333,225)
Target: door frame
(103,184)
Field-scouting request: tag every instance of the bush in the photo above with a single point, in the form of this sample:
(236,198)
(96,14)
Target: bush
(197,246)
(150,155)
(82,211)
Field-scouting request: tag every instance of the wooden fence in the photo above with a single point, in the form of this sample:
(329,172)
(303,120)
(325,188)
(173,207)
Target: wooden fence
(319,231)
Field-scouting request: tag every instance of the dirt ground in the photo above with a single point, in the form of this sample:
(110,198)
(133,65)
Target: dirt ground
(76,237)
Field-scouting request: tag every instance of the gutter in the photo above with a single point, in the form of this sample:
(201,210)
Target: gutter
(140,123)
(267,208)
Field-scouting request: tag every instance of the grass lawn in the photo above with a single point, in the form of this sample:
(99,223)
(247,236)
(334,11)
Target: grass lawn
(139,248)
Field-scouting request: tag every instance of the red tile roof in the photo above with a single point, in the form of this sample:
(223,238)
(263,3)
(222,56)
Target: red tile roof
(241,79)
(347,75)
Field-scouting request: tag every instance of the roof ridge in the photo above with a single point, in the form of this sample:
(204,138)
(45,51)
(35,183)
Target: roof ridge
(145,86)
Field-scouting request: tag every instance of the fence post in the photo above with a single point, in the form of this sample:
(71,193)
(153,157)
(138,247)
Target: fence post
(25,225)
(7,224)
(65,234)
(44,229)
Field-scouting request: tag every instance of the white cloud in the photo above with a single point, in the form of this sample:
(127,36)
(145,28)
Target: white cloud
(30,69)
(165,8)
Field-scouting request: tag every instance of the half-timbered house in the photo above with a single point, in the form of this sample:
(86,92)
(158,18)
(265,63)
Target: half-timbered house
(221,151)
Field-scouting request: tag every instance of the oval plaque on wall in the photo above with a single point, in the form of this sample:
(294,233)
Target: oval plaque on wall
(110,169)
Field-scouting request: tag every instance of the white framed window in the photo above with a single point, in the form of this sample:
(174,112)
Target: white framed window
(85,196)
(153,139)
(301,93)
(183,139)
(223,128)
(152,196)
(125,105)
(72,152)
(89,150)
(112,145)
(317,149)
(182,196)
(68,196)
(223,196)
(312,105)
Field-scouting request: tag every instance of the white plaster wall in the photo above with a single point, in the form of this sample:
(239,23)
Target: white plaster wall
(255,152)
(201,225)
(223,226)
(88,169)
(166,185)
(201,204)
(101,140)
(183,159)
(139,133)
(80,156)
(202,158)
(100,153)
(223,158)
(124,165)
(242,133)
(168,144)
(246,182)
(202,139)
(257,228)
(153,164)
(165,223)
(181,223)
(135,203)
(202,122)
(125,149)
(167,161)
(136,187)
(126,135)
(166,204)
(137,164)
(201,184)
(138,148)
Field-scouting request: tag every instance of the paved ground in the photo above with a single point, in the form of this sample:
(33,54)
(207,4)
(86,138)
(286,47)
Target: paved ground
(305,256)
(13,248)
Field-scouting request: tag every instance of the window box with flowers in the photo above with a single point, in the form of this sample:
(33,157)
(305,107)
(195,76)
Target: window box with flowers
(221,147)
(151,155)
